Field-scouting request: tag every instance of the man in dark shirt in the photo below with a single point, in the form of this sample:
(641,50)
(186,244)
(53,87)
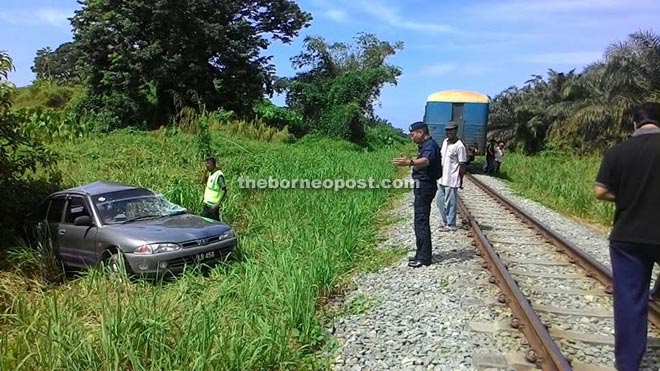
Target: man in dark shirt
(426,170)
(629,176)
(490,156)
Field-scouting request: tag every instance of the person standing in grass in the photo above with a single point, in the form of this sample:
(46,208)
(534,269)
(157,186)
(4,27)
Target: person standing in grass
(629,176)
(490,157)
(426,169)
(215,190)
(499,154)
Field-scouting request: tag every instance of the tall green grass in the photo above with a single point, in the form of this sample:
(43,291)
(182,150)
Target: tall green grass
(563,183)
(258,313)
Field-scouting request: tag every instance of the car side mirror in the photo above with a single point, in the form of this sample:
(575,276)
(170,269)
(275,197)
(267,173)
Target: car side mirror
(83,220)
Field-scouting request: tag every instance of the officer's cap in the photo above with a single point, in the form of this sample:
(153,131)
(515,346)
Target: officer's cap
(419,125)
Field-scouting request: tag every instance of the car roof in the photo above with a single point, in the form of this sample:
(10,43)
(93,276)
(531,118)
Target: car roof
(97,188)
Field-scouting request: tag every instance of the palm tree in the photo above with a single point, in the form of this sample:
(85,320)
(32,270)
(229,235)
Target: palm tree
(587,112)
(628,76)
(6,89)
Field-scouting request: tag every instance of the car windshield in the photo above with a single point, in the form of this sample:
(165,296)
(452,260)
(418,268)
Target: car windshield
(135,204)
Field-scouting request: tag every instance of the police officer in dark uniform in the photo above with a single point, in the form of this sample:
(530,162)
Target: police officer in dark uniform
(426,171)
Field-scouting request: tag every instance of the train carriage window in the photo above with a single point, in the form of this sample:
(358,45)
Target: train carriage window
(55,210)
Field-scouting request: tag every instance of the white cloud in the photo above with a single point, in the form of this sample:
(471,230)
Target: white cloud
(381,11)
(390,16)
(437,69)
(41,16)
(337,15)
(565,58)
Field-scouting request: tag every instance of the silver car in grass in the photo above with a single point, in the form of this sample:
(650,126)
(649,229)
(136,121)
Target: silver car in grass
(132,227)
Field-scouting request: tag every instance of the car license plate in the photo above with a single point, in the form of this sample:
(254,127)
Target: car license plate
(205,255)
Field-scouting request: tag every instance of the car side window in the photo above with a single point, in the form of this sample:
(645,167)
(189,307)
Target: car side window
(55,210)
(76,207)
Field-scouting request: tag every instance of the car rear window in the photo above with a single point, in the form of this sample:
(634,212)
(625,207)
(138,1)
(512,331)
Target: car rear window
(75,209)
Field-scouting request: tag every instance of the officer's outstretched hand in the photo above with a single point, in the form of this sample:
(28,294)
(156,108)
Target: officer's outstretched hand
(401,161)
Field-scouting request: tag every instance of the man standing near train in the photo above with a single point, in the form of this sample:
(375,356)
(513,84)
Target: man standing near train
(629,176)
(454,160)
(426,170)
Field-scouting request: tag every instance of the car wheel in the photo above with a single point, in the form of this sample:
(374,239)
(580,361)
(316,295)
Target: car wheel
(115,266)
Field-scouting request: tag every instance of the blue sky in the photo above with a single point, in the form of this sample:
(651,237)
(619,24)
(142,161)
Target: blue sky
(485,46)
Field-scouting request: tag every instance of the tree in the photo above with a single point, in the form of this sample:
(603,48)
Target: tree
(609,90)
(61,65)
(143,58)
(588,111)
(19,153)
(6,88)
(339,84)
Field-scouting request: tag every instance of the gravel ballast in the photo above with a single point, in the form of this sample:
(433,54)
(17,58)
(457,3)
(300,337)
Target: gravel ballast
(401,318)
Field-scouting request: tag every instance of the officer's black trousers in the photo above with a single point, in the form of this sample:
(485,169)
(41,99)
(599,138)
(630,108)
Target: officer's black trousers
(423,198)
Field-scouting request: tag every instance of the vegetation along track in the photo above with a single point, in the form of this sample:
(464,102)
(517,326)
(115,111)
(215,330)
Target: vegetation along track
(560,297)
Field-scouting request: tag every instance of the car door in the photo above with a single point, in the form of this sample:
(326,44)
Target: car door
(54,217)
(36,227)
(77,243)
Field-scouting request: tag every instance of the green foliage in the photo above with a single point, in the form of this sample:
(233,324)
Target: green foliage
(336,90)
(62,65)
(259,313)
(344,121)
(221,116)
(589,111)
(384,135)
(112,107)
(169,48)
(360,304)
(203,137)
(560,181)
(46,125)
(280,117)
(255,131)
(21,155)
(47,94)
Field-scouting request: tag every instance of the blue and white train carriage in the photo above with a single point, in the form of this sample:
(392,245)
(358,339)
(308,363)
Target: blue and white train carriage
(467,108)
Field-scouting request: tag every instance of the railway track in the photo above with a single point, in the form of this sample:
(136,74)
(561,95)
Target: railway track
(559,296)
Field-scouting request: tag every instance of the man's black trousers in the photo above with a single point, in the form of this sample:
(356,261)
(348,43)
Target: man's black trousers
(208,212)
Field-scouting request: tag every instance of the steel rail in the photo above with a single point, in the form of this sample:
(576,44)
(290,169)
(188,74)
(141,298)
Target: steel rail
(594,268)
(543,350)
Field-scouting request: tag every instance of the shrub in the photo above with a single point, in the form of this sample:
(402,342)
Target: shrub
(383,135)
(280,118)
(222,116)
(256,131)
(46,94)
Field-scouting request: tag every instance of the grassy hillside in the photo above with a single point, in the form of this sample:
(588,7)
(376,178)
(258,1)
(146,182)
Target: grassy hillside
(46,94)
(563,183)
(259,313)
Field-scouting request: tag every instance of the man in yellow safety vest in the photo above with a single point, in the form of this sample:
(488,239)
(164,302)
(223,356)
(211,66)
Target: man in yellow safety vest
(215,183)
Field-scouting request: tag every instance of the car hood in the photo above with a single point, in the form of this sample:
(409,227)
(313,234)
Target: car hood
(177,228)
